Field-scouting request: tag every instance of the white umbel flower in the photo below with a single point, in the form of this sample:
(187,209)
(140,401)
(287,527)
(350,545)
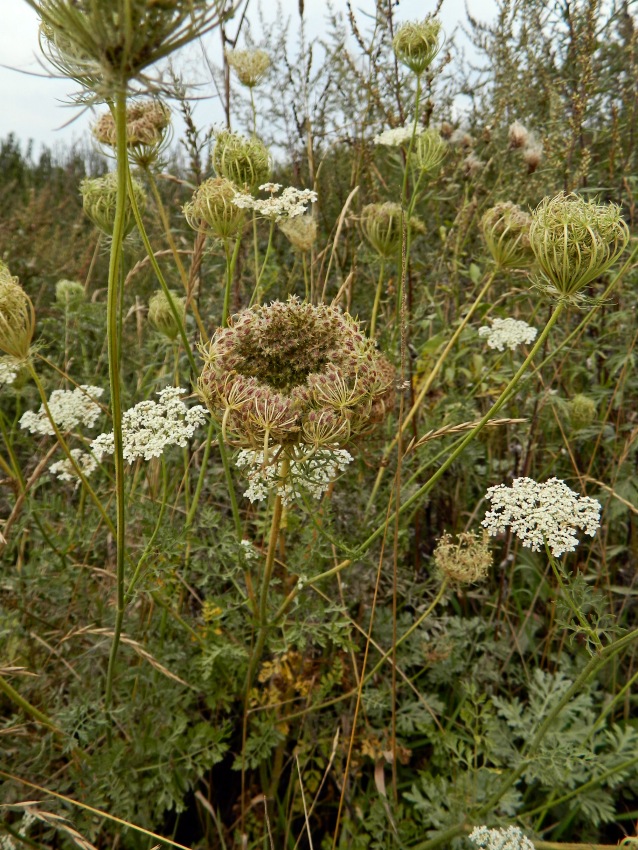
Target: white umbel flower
(9,368)
(65,471)
(508,333)
(151,426)
(69,408)
(539,513)
(398,135)
(311,474)
(511,838)
(291,203)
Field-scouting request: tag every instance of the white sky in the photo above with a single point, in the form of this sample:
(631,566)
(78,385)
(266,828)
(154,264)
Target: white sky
(32,107)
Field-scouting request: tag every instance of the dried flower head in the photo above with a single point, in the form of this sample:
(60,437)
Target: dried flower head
(246,162)
(582,411)
(472,165)
(511,838)
(464,562)
(462,139)
(99,201)
(382,226)
(518,135)
(249,65)
(505,228)
(69,293)
(541,513)
(151,426)
(104,45)
(429,150)
(212,208)
(147,123)
(17,316)
(162,317)
(532,155)
(68,409)
(301,231)
(416,43)
(575,241)
(291,375)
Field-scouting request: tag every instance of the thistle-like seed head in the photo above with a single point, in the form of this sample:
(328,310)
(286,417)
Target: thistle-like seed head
(505,228)
(465,562)
(416,43)
(245,162)
(382,226)
(17,317)
(212,208)
(99,200)
(429,150)
(518,135)
(162,317)
(249,65)
(292,373)
(575,241)
(300,231)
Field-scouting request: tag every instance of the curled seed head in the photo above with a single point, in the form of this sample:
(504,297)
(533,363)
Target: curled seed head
(416,43)
(582,411)
(382,226)
(505,228)
(575,241)
(249,65)
(17,317)
(162,317)
(429,150)
(212,208)
(99,200)
(69,293)
(245,162)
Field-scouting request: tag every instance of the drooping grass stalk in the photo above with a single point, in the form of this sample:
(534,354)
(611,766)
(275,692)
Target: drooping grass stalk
(113,331)
(427,384)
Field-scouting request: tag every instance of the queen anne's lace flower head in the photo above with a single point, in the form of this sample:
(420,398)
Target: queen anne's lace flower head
(464,562)
(68,408)
(292,374)
(9,368)
(398,136)
(310,473)
(505,228)
(249,65)
(150,426)
(511,838)
(291,203)
(300,231)
(65,471)
(541,513)
(416,43)
(508,333)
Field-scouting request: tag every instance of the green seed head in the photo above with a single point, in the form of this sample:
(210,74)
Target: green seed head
(249,65)
(505,228)
(245,162)
(465,562)
(582,411)
(69,293)
(416,43)
(212,208)
(17,317)
(429,150)
(382,226)
(99,197)
(575,241)
(162,317)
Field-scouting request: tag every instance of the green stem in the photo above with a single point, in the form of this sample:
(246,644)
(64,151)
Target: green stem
(570,602)
(114,353)
(377,299)
(26,706)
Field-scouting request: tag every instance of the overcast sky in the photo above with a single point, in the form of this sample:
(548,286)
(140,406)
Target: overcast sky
(33,107)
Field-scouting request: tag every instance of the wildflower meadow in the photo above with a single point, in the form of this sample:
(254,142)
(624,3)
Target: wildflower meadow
(319,433)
